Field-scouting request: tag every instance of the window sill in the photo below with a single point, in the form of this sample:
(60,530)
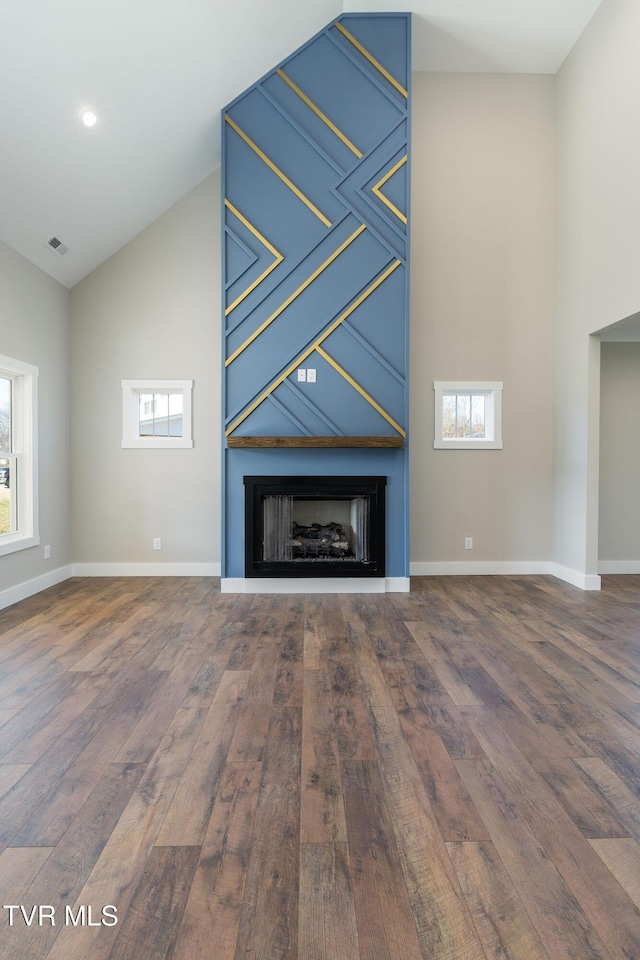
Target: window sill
(14,542)
(467,444)
(158,443)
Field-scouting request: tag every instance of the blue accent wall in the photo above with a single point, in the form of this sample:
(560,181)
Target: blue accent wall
(316,174)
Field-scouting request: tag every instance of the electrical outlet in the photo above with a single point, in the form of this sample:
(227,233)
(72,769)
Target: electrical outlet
(468,543)
(157,543)
(302,375)
(311,375)
(47,552)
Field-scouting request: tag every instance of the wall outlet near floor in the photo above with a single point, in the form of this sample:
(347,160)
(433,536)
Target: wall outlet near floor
(468,543)
(47,552)
(157,543)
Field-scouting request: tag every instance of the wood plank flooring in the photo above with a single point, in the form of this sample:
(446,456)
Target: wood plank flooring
(450,774)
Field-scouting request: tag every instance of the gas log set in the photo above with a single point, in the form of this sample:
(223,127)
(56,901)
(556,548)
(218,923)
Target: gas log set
(319,540)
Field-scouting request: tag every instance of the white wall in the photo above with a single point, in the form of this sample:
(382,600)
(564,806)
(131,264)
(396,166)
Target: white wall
(598,251)
(482,304)
(482,309)
(619,517)
(151,311)
(34,328)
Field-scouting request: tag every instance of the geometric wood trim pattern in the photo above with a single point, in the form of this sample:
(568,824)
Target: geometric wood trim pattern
(319,113)
(363,393)
(296,293)
(277,171)
(278,258)
(316,158)
(378,189)
(365,53)
(303,356)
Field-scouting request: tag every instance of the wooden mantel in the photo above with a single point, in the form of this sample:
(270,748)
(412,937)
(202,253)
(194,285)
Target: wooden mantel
(315,441)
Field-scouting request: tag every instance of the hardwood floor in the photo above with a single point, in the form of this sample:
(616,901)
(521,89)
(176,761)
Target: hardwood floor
(450,774)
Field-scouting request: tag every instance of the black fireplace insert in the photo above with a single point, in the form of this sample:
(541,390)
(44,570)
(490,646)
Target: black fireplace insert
(315,526)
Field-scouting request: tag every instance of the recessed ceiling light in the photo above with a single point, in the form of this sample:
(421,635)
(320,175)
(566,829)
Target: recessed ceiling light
(89,117)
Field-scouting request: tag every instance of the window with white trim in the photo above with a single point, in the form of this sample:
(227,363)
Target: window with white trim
(468,415)
(18,455)
(156,414)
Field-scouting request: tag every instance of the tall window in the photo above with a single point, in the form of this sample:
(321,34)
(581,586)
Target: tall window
(18,461)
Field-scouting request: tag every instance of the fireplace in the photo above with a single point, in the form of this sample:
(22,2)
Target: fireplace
(315,526)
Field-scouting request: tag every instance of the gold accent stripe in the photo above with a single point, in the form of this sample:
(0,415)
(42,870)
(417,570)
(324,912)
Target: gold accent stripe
(287,373)
(354,306)
(318,112)
(278,172)
(372,60)
(381,196)
(361,391)
(253,229)
(295,294)
(278,256)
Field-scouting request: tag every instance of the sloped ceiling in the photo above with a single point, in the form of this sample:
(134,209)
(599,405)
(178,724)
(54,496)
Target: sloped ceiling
(158,73)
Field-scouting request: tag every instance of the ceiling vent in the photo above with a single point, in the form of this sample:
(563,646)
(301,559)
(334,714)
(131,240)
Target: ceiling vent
(57,246)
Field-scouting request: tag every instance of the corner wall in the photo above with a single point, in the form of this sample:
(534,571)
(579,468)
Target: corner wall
(483,184)
(151,311)
(598,245)
(482,309)
(34,327)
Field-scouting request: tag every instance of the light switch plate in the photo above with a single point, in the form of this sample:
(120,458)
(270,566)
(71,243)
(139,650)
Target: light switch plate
(311,375)
(302,375)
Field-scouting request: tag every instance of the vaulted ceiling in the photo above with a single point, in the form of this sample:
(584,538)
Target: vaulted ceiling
(158,72)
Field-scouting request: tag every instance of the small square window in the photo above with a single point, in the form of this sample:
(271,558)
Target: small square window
(161,415)
(468,415)
(156,413)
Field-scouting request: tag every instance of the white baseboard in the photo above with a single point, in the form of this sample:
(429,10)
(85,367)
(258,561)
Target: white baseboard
(397,585)
(312,584)
(480,568)
(146,569)
(584,581)
(497,568)
(317,584)
(28,589)
(619,566)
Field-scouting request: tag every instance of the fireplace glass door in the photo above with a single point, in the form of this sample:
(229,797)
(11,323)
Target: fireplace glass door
(314,526)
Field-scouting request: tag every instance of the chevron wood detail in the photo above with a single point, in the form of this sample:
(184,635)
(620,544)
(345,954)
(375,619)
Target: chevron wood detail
(316,180)
(314,346)
(377,189)
(363,393)
(278,258)
(296,293)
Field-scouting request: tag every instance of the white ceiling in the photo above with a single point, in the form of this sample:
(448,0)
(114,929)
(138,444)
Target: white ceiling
(158,73)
